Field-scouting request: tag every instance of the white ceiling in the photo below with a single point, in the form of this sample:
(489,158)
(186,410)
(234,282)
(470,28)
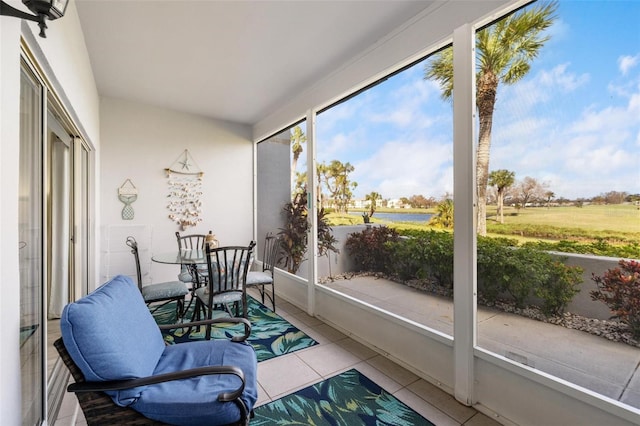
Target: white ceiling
(231,60)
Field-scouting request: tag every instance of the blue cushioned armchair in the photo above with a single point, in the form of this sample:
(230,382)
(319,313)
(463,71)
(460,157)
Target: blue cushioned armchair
(114,342)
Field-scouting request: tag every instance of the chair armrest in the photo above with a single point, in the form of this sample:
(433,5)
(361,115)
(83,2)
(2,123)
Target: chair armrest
(114,385)
(230,320)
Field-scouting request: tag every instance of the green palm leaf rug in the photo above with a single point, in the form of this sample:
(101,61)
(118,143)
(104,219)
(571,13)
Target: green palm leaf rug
(348,399)
(271,335)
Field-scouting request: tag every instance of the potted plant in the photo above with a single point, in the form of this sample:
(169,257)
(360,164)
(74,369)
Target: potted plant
(293,235)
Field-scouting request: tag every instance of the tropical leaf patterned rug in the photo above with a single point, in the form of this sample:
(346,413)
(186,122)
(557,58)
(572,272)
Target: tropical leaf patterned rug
(271,335)
(348,399)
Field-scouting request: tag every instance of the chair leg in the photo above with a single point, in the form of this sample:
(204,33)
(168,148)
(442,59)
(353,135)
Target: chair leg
(179,309)
(273,296)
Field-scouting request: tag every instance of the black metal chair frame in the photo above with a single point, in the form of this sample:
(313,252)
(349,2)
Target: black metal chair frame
(180,308)
(99,408)
(270,253)
(193,242)
(232,278)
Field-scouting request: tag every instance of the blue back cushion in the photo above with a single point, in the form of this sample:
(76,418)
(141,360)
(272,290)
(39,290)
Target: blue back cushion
(110,334)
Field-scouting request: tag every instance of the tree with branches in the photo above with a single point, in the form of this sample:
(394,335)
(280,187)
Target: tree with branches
(335,176)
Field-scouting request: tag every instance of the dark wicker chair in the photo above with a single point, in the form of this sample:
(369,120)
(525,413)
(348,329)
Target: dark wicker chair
(99,409)
(99,344)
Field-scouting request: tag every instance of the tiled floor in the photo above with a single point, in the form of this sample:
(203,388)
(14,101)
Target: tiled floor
(334,354)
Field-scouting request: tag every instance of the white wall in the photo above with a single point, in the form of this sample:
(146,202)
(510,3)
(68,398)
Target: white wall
(138,143)
(65,62)
(9,277)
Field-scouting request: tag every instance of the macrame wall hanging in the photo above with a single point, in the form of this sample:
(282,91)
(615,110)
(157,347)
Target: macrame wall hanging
(185,191)
(127,193)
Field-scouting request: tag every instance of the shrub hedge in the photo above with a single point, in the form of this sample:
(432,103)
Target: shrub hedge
(504,269)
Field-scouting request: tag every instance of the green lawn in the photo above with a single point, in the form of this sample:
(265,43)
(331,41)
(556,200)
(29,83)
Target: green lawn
(617,224)
(618,217)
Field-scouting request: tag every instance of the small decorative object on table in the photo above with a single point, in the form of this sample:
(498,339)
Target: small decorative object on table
(210,240)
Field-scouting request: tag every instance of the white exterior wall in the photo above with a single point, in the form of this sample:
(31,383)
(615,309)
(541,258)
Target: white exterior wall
(66,64)
(138,143)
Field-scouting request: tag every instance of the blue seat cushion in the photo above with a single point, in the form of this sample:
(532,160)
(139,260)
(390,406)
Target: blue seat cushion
(194,401)
(110,335)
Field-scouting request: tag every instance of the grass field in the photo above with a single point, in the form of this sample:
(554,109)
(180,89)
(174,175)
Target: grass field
(613,223)
(619,217)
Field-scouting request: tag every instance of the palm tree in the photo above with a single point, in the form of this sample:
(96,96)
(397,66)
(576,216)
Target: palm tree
(444,215)
(373,198)
(298,138)
(504,52)
(501,179)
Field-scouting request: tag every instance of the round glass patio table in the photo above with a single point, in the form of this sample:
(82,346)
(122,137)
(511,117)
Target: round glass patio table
(181,257)
(190,259)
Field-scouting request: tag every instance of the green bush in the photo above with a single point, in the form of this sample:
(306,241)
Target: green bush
(439,257)
(523,272)
(370,250)
(427,256)
(560,288)
(619,289)
(503,268)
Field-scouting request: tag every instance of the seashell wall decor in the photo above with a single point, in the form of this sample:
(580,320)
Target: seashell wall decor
(184,179)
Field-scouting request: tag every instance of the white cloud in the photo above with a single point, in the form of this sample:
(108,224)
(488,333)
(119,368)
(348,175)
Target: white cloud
(626,62)
(402,169)
(523,96)
(559,78)
(581,150)
(405,106)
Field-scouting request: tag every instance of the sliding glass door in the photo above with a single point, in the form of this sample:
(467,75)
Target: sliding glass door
(31,248)
(60,144)
(54,235)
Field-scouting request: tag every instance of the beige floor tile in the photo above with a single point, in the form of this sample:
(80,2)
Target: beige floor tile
(263,397)
(329,359)
(396,372)
(426,410)
(378,377)
(307,319)
(284,306)
(285,374)
(330,333)
(68,406)
(358,349)
(442,400)
(480,419)
(315,334)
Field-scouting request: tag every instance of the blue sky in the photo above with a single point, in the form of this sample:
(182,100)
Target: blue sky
(573,122)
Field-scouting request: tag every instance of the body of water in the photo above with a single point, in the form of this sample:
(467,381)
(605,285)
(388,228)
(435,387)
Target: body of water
(399,217)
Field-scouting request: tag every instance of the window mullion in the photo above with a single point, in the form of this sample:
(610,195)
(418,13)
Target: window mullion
(464,257)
